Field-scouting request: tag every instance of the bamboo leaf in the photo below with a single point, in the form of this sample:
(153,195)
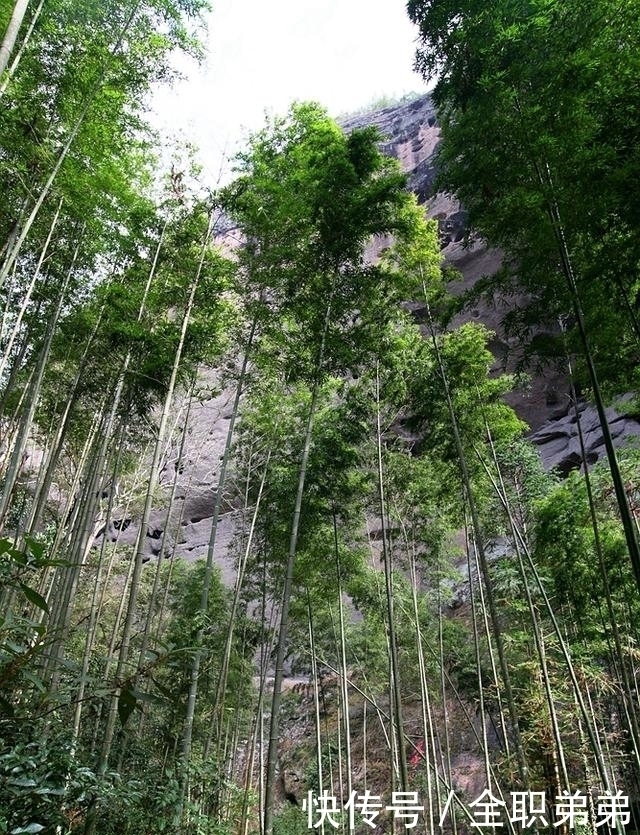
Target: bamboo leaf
(126,705)
(34,597)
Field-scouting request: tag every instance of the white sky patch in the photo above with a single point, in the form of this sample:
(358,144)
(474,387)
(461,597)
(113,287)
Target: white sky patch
(264,54)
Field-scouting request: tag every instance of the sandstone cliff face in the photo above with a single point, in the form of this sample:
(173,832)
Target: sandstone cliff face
(411,134)
(190,471)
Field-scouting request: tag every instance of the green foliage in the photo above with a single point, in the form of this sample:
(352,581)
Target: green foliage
(381,102)
(334,364)
(535,129)
(23,633)
(40,786)
(335,484)
(565,544)
(461,361)
(290,821)
(308,200)
(42,781)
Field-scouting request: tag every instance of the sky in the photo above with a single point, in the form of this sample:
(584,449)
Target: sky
(264,54)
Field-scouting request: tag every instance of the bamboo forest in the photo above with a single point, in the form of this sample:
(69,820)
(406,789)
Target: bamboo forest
(305,523)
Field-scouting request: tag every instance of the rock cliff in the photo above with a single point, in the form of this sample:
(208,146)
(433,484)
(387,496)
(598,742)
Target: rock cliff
(410,133)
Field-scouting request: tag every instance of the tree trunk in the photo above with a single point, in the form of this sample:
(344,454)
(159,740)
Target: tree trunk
(11,35)
(27,37)
(144,521)
(396,694)
(482,559)
(14,250)
(274,727)
(206,585)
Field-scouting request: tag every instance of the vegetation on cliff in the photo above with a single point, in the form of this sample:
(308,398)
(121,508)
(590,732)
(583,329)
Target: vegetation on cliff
(454,618)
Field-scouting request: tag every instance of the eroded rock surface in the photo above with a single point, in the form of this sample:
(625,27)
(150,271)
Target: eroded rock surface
(558,440)
(411,134)
(193,480)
